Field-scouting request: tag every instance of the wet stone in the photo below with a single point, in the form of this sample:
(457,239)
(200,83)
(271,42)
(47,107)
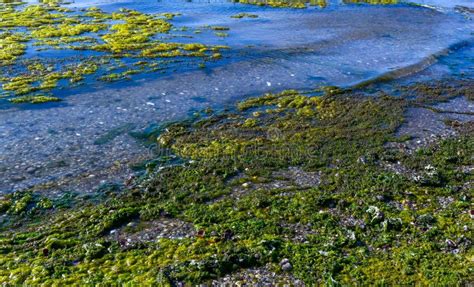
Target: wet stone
(261,277)
(135,233)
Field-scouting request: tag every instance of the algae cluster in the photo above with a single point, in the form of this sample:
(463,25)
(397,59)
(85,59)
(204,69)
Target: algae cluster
(301,4)
(244,15)
(106,46)
(368,224)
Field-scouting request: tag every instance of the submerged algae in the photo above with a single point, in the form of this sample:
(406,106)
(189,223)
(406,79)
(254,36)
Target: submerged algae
(301,4)
(244,15)
(38,99)
(123,38)
(362,217)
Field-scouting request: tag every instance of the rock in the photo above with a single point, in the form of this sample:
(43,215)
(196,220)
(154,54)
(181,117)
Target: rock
(284,261)
(450,243)
(286,267)
(228,234)
(129,180)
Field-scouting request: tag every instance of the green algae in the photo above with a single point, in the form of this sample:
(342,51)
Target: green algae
(370,225)
(372,2)
(244,15)
(11,46)
(116,41)
(302,4)
(38,99)
(221,34)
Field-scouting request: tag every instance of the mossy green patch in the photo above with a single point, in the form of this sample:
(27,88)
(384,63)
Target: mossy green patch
(369,225)
(38,99)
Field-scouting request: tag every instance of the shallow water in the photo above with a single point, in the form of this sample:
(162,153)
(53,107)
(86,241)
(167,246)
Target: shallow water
(283,48)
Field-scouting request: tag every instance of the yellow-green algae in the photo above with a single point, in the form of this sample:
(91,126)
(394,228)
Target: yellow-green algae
(119,40)
(370,225)
(244,15)
(38,99)
(301,4)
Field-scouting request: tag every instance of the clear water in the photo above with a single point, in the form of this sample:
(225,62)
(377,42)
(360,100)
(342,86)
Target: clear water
(283,48)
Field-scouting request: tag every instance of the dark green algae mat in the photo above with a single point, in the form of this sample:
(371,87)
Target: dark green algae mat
(367,223)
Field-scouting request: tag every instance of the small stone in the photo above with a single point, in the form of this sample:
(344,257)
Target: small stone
(31,169)
(324,253)
(286,267)
(450,243)
(129,180)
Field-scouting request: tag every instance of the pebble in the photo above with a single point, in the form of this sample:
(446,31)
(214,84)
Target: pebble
(31,169)
(286,265)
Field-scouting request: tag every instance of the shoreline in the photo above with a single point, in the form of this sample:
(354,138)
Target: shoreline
(297,188)
(311,49)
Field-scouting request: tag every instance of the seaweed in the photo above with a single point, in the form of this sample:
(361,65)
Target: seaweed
(366,224)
